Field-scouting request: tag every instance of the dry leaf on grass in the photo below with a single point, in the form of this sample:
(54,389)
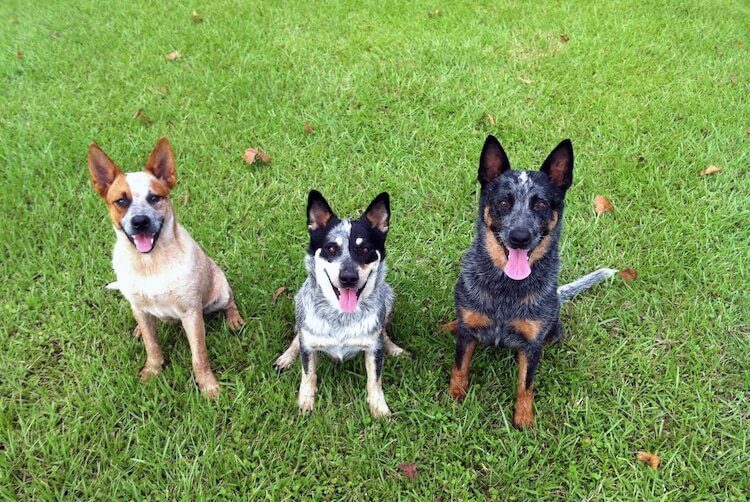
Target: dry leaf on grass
(277,293)
(747,131)
(733,79)
(197,18)
(435,13)
(173,55)
(490,118)
(251,155)
(20,55)
(141,115)
(602,205)
(649,458)
(629,274)
(525,80)
(307,126)
(565,38)
(710,170)
(409,470)
(449,327)
(185,199)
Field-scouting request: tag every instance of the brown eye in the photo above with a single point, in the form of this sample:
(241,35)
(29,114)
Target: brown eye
(331,249)
(504,204)
(122,202)
(152,198)
(365,250)
(540,205)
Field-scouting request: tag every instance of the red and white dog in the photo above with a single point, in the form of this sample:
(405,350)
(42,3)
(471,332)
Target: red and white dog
(160,269)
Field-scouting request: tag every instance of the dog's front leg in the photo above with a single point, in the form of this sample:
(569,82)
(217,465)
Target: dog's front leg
(465,344)
(196,333)
(528,360)
(375,396)
(309,384)
(147,331)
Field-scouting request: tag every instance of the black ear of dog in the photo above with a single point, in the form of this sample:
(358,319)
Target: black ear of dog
(319,213)
(559,165)
(378,213)
(492,161)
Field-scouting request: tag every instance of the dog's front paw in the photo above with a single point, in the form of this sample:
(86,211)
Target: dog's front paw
(209,386)
(459,386)
(284,361)
(150,370)
(523,417)
(305,403)
(379,409)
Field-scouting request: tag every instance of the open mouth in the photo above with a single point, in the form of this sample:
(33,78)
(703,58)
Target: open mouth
(347,297)
(517,267)
(144,242)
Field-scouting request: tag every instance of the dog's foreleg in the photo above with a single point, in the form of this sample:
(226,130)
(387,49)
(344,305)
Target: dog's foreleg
(308,386)
(196,334)
(375,396)
(528,360)
(287,358)
(465,344)
(147,332)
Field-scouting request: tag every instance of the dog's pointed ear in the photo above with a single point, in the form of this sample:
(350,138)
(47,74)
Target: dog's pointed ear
(103,171)
(492,161)
(161,163)
(378,213)
(318,211)
(559,165)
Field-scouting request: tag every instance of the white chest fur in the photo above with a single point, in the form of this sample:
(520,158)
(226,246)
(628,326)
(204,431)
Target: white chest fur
(339,341)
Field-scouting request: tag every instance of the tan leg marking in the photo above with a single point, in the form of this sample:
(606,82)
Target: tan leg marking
(196,334)
(460,375)
(154,356)
(375,397)
(523,416)
(528,328)
(308,386)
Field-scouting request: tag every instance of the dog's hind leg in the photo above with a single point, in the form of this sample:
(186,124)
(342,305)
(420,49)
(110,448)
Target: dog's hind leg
(287,358)
(221,298)
(234,319)
(390,347)
(528,360)
(375,397)
(465,344)
(554,334)
(154,357)
(308,386)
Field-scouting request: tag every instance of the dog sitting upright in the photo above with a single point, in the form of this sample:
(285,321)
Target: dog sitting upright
(507,292)
(160,269)
(345,306)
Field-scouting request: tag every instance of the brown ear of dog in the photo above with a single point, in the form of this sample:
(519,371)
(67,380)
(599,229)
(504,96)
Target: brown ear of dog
(161,163)
(102,169)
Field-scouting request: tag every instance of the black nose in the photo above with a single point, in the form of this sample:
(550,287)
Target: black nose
(140,222)
(348,278)
(520,238)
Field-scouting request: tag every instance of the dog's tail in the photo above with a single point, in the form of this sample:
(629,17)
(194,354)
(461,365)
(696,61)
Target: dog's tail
(568,291)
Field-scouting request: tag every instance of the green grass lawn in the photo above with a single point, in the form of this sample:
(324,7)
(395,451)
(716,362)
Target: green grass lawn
(398,97)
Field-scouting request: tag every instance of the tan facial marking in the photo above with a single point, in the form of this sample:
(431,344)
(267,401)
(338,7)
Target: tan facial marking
(475,320)
(117,190)
(529,329)
(495,249)
(158,187)
(543,246)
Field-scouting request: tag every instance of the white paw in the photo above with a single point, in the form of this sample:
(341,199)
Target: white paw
(379,408)
(305,403)
(284,361)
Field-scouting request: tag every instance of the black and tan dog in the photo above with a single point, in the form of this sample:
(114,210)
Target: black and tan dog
(507,292)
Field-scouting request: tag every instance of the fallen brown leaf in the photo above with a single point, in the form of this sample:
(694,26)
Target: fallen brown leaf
(602,205)
(141,115)
(525,80)
(308,127)
(409,470)
(185,199)
(435,13)
(197,18)
(747,131)
(733,79)
(173,55)
(277,293)
(629,274)
(449,326)
(251,155)
(710,170)
(163,89)
(565,38)
(649,458)
(490,119)
(20,54)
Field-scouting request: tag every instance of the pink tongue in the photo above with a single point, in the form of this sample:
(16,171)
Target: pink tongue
(517,267)
(144,242)
(348,299)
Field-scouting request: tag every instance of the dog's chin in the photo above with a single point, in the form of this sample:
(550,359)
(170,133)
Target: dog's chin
(144,242)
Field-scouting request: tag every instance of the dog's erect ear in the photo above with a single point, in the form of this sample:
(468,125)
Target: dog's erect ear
(493,160)
(161,163)
(559,165)
(318,211)
(378,213)
(103,171)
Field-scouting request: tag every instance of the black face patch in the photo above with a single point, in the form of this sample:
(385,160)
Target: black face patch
(365,242)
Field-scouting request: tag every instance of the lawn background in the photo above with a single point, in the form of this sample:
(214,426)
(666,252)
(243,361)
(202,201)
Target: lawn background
(398,97)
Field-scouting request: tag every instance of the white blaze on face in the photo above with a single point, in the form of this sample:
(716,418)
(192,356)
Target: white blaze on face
(323,270)
(523,178)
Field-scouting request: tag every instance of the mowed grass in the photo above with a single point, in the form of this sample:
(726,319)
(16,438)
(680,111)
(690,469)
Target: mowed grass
(397,96)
